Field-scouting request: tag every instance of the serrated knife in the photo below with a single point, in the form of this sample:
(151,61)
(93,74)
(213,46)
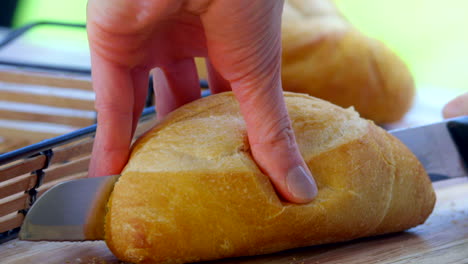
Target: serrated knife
(75,210)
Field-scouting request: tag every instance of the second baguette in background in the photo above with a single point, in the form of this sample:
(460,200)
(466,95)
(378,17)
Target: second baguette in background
(326,57)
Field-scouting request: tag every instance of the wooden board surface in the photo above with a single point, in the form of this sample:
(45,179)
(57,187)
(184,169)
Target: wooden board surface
(442,239)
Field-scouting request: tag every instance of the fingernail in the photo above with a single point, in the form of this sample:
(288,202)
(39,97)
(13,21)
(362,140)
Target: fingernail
(301,184)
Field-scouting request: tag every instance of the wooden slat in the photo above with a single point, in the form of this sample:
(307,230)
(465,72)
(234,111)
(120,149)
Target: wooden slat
(10,221)
(67,169)
(31,136)
(47,118)
(20,168)
(16,185)
(9,144)
(75,150)
(14,169)
(22,183)
(25,182)
(50,100)
(45,79)
(13,203)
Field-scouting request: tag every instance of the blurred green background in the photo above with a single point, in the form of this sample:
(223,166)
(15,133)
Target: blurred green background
(430,35)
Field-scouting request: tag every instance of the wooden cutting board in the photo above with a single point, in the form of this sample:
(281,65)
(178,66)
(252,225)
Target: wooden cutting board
(442,239)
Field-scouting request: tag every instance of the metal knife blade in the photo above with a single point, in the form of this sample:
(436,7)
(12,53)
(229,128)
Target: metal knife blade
(71,211)
(440,147)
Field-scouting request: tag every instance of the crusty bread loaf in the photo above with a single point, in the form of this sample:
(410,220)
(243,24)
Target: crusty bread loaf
(191,190)
(325,56)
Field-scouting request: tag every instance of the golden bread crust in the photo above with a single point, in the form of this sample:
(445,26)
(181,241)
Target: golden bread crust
(323,55)
(326,57)
(191,190)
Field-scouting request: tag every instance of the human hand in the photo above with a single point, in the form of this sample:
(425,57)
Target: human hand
(129,38)
(456,107)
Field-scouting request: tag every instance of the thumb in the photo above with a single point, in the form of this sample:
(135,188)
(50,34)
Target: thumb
(244,44)
(273,143)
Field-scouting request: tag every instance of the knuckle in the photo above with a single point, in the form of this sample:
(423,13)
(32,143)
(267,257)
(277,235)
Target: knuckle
(278,134)
(197,7)
(113,109)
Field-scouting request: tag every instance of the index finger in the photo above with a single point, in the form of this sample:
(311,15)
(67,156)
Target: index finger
(113,86)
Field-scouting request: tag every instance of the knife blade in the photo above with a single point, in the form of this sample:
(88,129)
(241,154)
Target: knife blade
(70,211)
(441,147)
(75,210)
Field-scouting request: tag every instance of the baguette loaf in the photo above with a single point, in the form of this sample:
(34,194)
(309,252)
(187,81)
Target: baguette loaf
(325,56)
(191,190)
